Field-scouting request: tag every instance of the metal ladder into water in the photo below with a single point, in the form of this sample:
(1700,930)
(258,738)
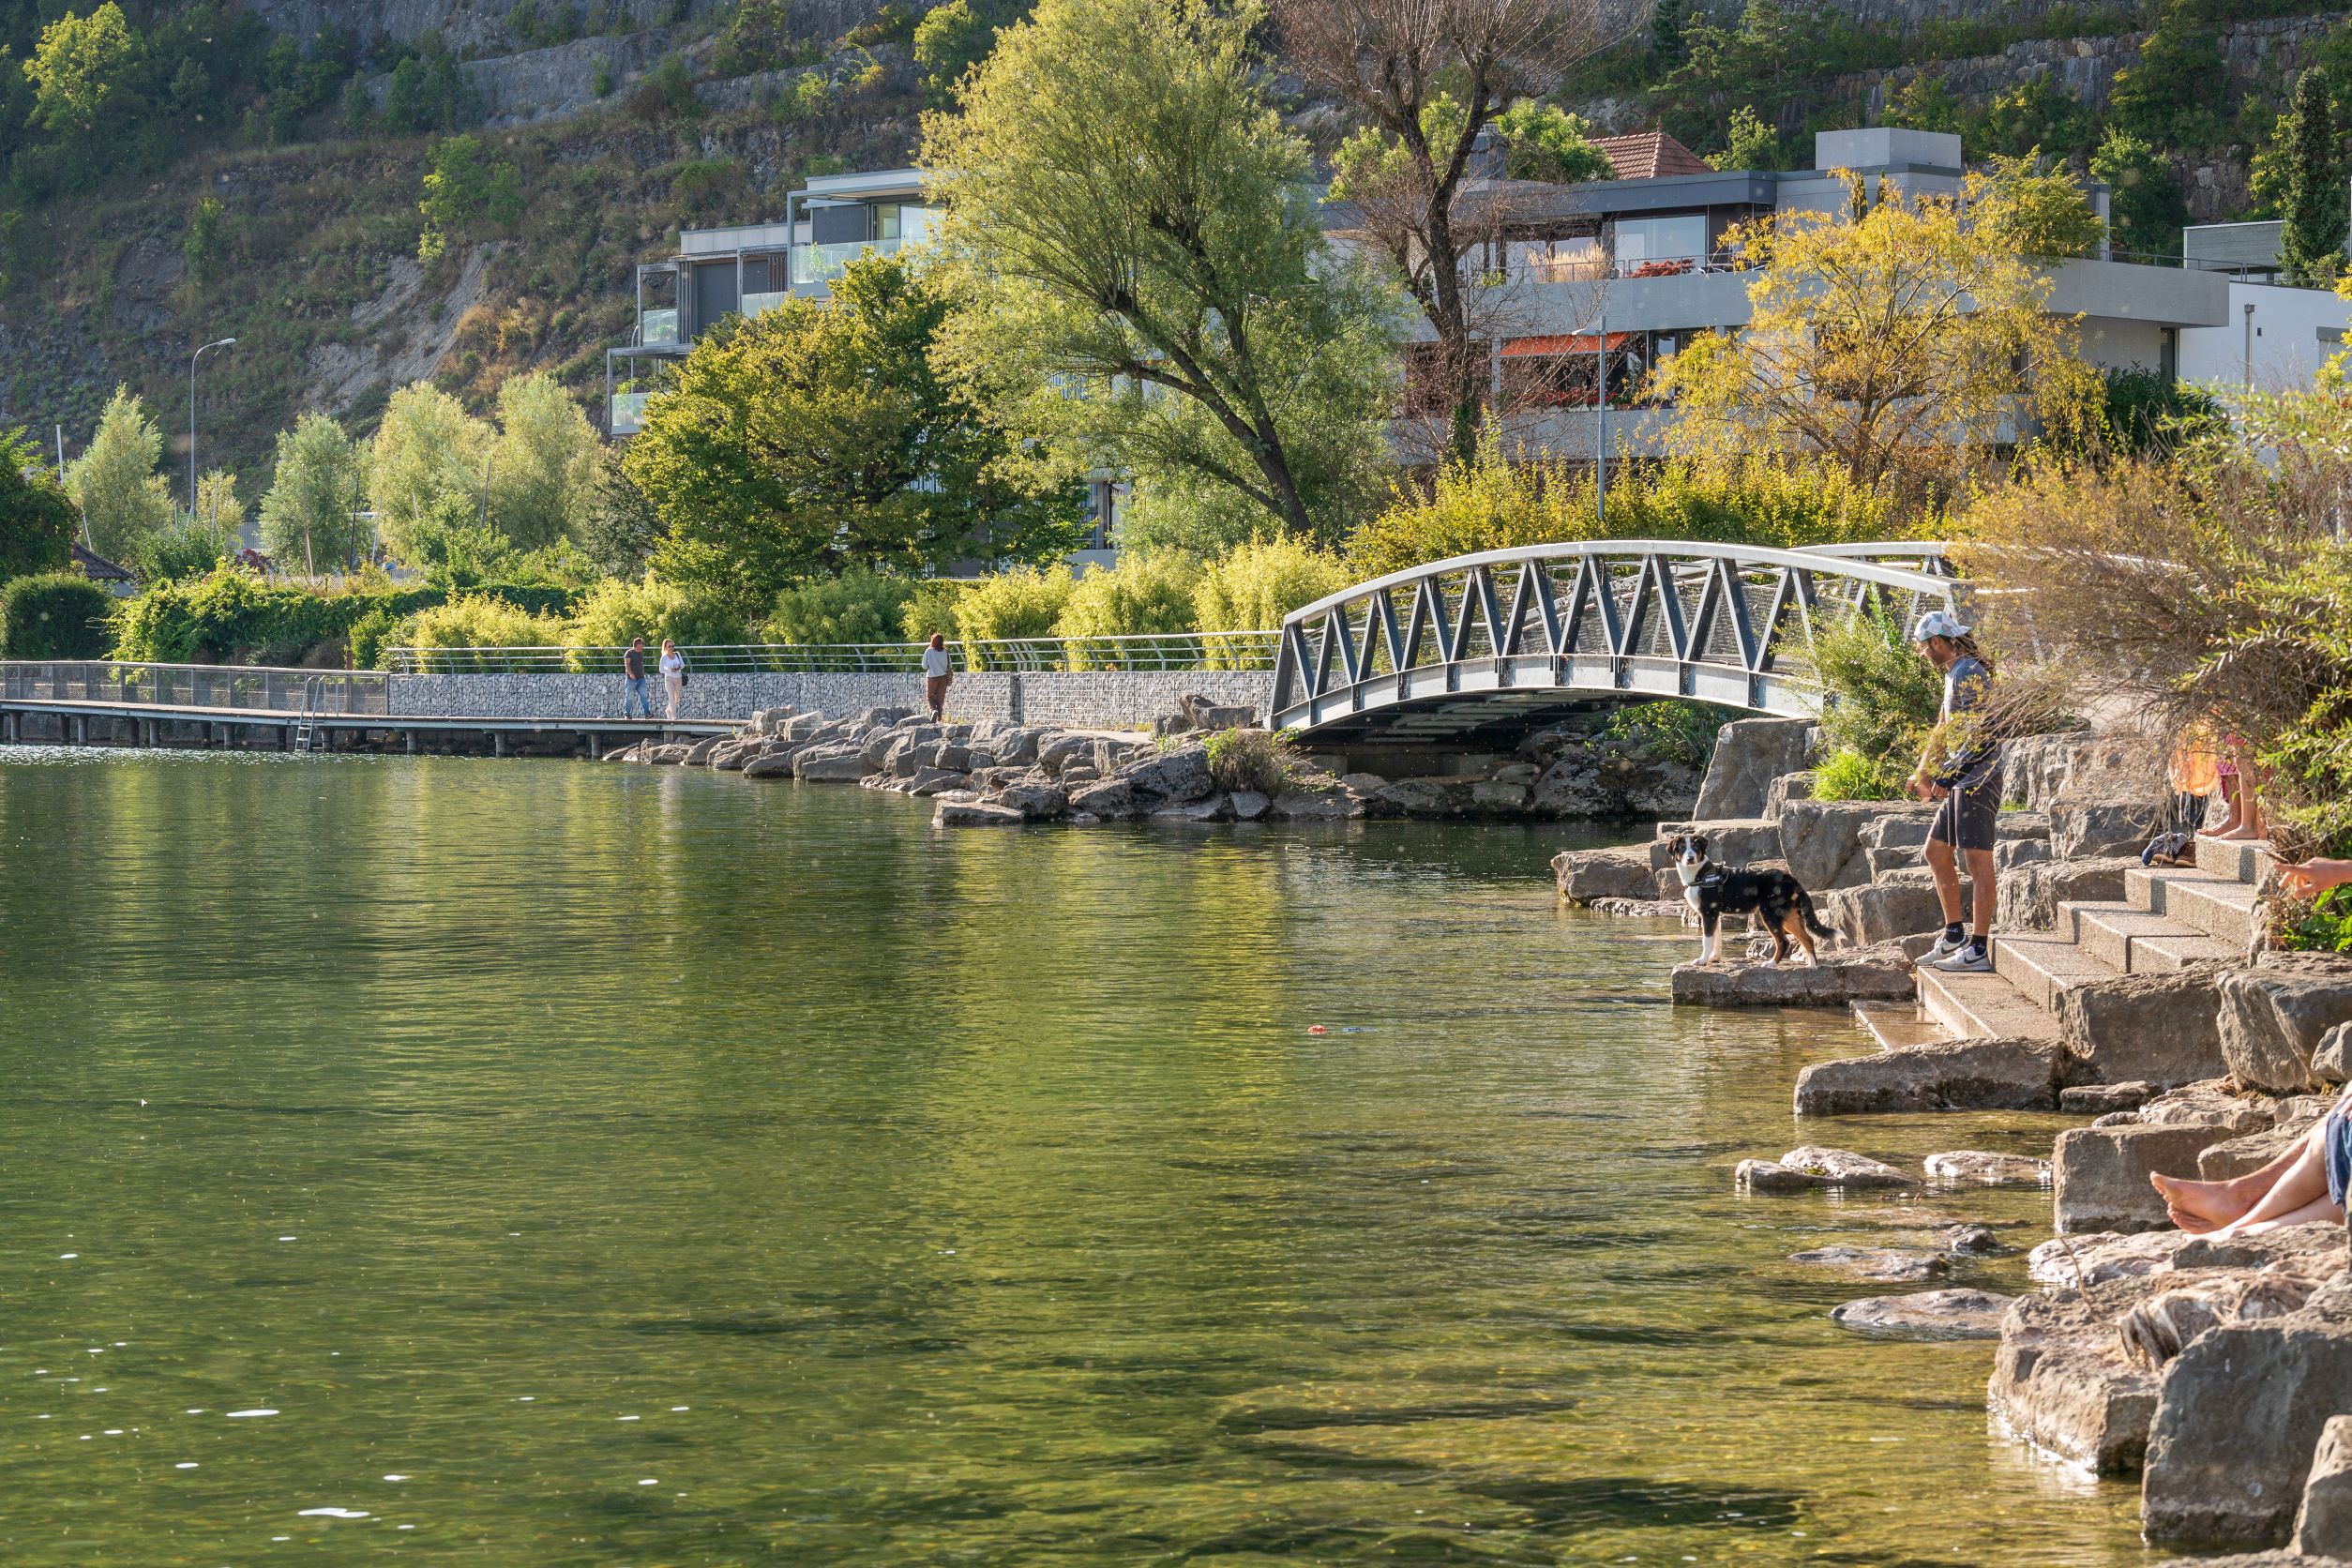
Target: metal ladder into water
(306,726)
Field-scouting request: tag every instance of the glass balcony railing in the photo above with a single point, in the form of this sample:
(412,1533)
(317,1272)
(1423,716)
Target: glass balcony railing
(629,412)
(823,264)
(658,327)
(759,304)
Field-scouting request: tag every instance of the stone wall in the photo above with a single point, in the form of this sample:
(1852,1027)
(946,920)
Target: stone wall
(1104,700)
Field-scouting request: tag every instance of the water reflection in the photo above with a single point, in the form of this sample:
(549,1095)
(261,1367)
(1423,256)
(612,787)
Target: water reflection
(886,1195)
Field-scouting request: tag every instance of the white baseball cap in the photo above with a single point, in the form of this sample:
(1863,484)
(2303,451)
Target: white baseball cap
(1936,623)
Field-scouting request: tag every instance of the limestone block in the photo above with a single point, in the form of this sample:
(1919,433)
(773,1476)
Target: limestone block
(2099,1099)
(1958,1074)
(2323,1525)
(772,764)
(830,764)
(1249,805)
(1035,801)
(1174,777)
(2207,1104)
(2060,1380)
(1898,904)
(2328,1061)
(2240,1416)
(1749,754)
(2030,895)
(2272,1017)
(1814,1168)
(1109,797)
(2241,1156)
(2160,1029)
(1949,1314)
(1875,1262)
(1865,975)
(2100,1174)
(1986,1170)
(1315,806)
(975,813)
(1730,842)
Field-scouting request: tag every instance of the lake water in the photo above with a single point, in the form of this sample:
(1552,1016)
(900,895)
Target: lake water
(539,1163)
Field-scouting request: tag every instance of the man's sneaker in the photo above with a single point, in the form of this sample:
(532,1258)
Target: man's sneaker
(1946,946)
(1972,959)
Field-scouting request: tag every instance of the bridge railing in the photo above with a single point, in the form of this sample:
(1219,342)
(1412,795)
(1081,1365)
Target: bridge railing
(244,687)
(1175,651)
(1730,623)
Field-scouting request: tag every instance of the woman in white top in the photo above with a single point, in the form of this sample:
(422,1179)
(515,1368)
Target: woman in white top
(672,674)
(937,674)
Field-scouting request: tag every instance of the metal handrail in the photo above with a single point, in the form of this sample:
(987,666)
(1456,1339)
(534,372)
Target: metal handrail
(1173,650)
(244,687)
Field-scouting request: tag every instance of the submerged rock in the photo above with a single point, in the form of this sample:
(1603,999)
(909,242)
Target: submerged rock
(1973,1165)
(2102,1099)
(1952,1314)
(1955,1074)
(1811,1167)
(1876,1262)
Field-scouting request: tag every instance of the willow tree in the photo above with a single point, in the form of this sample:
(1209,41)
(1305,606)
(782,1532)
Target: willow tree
(1145,280)
(1895,339)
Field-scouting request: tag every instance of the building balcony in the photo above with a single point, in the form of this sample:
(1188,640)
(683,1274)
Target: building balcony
(658,327)
(627,413)
(823,264)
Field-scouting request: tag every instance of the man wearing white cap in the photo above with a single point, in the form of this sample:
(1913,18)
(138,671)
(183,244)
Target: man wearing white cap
(1968,781)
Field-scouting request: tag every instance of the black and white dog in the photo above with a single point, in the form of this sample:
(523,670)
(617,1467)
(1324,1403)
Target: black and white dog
(1775,898)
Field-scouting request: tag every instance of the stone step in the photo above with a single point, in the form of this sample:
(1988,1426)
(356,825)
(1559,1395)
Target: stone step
(2135,940)
(1896,1025)
(1982,1007)
(2244,861)
(2220,907)
(2045,967)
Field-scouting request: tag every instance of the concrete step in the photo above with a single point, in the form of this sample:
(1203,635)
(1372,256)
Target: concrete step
(1982,1007)
(2220,907)
(1894,1025)
(2042,968)
(2135,940)
(2242,861)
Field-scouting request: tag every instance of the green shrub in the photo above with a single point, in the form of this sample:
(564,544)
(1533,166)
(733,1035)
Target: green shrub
(855,607)
(1253,760)
(1846,775)
(1143,596)
(617,611)
(2325,926)
(1884,698)
(480,623)
(370,635)
(54,615)
(174,554)
(1253,586)
(1682,731)
(932,605)
(1026,601)
(236,616)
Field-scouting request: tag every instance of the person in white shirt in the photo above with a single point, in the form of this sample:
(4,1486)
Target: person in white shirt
(672,674)
(937,674)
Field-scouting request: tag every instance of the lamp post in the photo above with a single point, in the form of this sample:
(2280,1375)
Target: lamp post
(216,343)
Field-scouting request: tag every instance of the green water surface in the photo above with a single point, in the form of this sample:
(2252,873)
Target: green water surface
(542,1163)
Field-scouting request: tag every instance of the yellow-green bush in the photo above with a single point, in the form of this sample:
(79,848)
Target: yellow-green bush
(1143,596)
(855,607)
(1493,505)
(1253,586)
(933,604)
(478,622)
(618,611)
(1026,601)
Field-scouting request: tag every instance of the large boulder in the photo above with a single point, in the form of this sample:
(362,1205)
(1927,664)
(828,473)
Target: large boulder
(1174,777)
(2242,1412)
(2208,1103)
(2328,1062)
(1749,754)
(2061,1381)
(1195,711)
(1315,806)
(1957,1074)
(1585,875)
(2323,1525)
(1813,1168)
(831,764)
(1108,797)
(2160,1029)
(1868,975)
(2273,1017)
(1821,839)
(1058,749)
(974,813)
(2242,1156)
(2080,829)
(1898,904)
(1730,842)
(2100,1174)
(2029,896)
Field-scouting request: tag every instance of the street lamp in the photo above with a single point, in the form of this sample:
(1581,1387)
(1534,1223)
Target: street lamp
(216,343)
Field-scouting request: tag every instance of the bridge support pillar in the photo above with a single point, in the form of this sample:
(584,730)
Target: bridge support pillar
(498,743)
(411,741)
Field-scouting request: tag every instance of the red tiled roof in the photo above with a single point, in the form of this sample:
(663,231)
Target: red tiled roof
(1649,154)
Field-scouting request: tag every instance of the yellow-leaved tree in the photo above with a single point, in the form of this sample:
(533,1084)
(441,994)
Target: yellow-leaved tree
(1900,339)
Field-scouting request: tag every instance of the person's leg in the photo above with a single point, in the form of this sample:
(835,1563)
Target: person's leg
(1983,893)
(1941,861)
(2317,1209)
(2249,824)
(2298,1187)
(2229,813)
(676,691)
(2215,1203)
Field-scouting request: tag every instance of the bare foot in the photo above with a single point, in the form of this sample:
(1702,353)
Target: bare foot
(2240,834)
(2213,1202)
(2196,1225)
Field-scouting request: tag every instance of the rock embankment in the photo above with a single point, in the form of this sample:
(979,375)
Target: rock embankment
(1205,765)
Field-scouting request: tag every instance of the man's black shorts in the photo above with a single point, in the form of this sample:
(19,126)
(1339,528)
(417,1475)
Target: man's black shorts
(1966,818)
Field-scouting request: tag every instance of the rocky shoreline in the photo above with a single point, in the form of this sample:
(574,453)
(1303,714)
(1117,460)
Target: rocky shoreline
(999,774)
(2219,1373)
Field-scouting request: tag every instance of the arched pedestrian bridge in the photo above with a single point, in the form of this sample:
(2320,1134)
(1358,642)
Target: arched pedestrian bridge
(1484,647)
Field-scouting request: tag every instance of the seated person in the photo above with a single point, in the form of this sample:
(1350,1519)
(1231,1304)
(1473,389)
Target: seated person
(2305,1183)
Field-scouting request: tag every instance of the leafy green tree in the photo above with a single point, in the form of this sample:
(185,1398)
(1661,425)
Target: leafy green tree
(1667,19)
(428,451)
(205,243)
(311,513)
(1547,143)
(408,107)
(2312,227)
(190,549)
(2037,212)
(2145,206)
(948,42)
(618,527)
(465,189)
(2172,95)
(115,482)
(858,605)
(820,437)
(543,464)
(38,519)
(1924,104)
(1148,285)
(82,71)
(1749,143)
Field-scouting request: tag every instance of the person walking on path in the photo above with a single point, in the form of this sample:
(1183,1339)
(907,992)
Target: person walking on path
(672,676)
(938,676)
(1963,771)
(634,701)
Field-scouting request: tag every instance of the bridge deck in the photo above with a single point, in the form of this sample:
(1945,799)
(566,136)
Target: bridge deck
(283,719)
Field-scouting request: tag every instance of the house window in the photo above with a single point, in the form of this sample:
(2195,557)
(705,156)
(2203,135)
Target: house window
(1646,246)
(1562,261)
(2168,354)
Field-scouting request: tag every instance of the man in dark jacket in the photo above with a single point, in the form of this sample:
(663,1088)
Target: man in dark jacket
(633,672)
